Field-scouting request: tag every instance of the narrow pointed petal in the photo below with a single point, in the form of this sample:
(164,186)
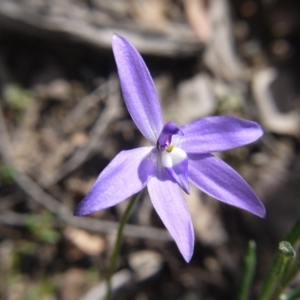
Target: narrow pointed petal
(213,134)
(220,181)
(172,209)
(138,89)
(176,164)
(126,175)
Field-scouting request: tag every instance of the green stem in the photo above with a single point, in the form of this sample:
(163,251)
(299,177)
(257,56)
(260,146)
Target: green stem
(116,250)
(293,269)
(275,283)
(288,268)
(288,255)
(249,269)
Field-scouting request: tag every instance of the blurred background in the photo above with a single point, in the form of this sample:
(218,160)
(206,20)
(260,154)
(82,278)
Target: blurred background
(62,119)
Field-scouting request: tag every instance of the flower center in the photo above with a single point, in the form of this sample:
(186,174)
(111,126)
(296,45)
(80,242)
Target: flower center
(165,138)
(173,159)
(170,148)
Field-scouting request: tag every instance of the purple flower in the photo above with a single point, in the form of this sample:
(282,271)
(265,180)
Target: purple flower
(178,155)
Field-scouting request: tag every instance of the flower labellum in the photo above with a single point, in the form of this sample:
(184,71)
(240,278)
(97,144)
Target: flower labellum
(178,156)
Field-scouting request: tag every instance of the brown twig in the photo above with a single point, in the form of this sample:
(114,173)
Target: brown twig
(60,210)
(85,104)
(26,18)
(90,224)
(96,137)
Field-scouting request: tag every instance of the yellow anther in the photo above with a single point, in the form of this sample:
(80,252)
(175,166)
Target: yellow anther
(170,148)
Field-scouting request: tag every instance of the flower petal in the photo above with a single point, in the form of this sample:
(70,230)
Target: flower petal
(176,164)
(220,181)
(138,89)
(212,134)
(126,175)
(172,209)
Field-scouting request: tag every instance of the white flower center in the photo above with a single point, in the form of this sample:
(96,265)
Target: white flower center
(172,156)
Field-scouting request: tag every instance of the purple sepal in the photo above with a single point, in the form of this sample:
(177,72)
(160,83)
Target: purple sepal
(171,207)
(138,89)
(126,175)
(211,175)
(212,134)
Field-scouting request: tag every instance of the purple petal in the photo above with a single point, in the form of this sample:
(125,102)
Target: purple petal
(213,134)
(180,174)
(126,175)
(220,181)
(175,163)
(138,89)
(172,209)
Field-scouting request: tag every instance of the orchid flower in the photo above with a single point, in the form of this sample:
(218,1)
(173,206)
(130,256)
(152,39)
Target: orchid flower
(178,155)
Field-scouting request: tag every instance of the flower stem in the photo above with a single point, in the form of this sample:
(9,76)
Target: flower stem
(116,249)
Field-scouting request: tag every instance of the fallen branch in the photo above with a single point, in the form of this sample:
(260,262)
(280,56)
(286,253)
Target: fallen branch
(272,119)
(109,114)
(81,26)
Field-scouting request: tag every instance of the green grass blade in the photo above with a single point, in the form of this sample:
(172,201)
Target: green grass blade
(249,270)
